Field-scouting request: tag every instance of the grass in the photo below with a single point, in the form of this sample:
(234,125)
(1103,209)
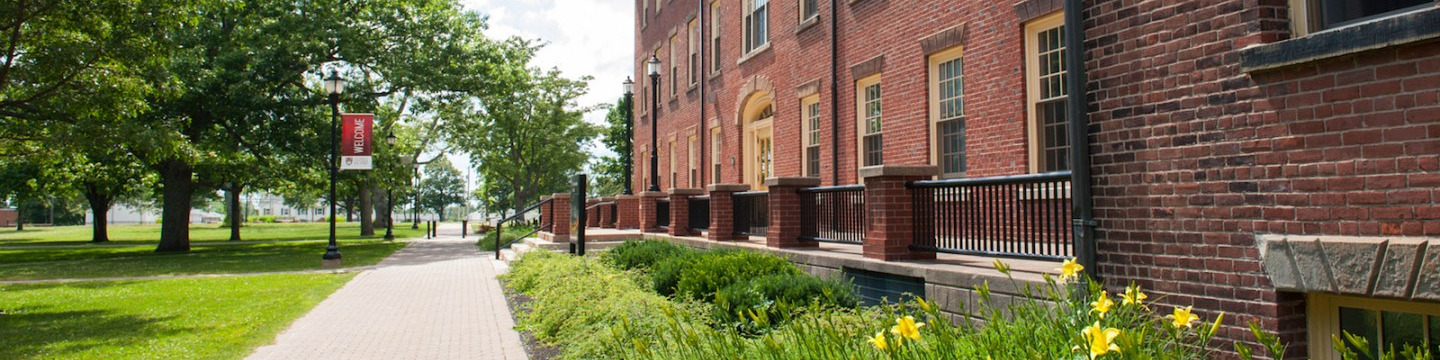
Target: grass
(193,318)
(96,262)
(199,233)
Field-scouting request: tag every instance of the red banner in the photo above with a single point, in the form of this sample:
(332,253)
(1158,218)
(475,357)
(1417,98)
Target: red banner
(355,135)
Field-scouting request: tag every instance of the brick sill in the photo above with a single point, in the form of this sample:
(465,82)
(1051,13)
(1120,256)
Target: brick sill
(1420,25)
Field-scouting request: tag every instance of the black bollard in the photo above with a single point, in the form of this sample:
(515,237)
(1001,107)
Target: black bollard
(427,229)
(464,227)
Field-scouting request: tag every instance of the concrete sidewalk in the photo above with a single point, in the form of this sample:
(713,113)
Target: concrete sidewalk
(435,299)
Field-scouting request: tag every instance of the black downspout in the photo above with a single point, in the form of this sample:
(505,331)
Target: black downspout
(835,97)
(1081,202)
(700,80)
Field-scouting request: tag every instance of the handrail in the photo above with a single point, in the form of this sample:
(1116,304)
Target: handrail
(830,189)
(1012,179)
(500,226)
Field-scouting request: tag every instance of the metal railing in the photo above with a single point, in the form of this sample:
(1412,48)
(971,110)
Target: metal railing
(833,214)
(1023,216)
(662,213)
(544,225)
(752,213)
(699,212)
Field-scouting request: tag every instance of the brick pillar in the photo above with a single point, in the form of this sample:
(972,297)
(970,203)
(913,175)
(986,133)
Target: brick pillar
(547,216)
(680,210)
(627,209)
(647,210)
(561,210)
(592,213)
(784,208)
(606,217)
(891,211)
(722,210)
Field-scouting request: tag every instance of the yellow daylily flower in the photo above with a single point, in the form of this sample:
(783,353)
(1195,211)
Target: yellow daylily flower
(879,341)
(906,327)
(1183,317)
(1102,305)
(1133,296)
(1215,326)
(1070,269)
(1101,341)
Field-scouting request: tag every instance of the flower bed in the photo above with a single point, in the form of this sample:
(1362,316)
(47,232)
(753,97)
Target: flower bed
(739,305)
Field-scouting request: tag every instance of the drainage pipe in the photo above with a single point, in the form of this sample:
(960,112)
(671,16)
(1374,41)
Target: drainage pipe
(1081,202)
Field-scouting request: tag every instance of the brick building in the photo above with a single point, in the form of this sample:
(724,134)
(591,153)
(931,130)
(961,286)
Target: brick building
(1270,158)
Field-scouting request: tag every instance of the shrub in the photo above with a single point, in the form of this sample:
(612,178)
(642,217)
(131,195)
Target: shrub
(717,269)
(268,219)
(777,297)
(665,274)
(508,234)
(643,254)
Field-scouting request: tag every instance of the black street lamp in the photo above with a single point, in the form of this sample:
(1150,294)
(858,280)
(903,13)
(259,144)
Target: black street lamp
(334,85)
(654,64)
(629,129)
(390,196)
(415,209)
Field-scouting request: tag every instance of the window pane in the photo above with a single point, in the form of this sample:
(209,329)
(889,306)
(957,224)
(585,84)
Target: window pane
(1435,334)
(1337,12)
(952,146)
(1401,329)
(812,168)
(1361,323)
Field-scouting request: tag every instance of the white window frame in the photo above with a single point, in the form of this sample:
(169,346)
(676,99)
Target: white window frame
(717,147)
(693,39)
(809,132)
(755,42)
(1323,318)
(715,35)
(1305,16)
(862,119)
(936,113)
(692,154)
(1032,86)
(802,9)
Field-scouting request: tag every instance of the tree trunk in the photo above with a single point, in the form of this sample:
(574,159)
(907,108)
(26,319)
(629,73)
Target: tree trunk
(236,218)
(175,176)
(100,203)
(367,210)
(440,214)
(20,217)
(349,211)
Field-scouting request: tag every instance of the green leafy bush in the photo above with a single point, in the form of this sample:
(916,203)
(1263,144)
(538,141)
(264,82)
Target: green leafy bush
(643,254)
(777,297)
(665,274)
(717,269)
(508,234)
(268,219)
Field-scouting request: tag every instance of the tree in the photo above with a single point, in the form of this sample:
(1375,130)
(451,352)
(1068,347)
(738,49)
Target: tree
(441,187)
(610,177)
(530,139)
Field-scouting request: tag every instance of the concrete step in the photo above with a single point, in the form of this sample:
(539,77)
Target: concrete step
(547,245)
(508,255)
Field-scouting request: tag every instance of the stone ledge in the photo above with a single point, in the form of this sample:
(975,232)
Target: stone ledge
(656,194)
(1401,268)
(1417,26)
(728,187)
(687,191)
(792,181)
(626,197)
(898,170)
(560,196)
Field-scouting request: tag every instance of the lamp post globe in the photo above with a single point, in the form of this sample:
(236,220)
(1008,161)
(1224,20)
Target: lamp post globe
(629,87)
(653,68)
(334,85)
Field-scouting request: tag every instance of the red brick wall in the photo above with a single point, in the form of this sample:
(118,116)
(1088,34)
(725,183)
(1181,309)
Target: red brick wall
(8,217)
(1194,157)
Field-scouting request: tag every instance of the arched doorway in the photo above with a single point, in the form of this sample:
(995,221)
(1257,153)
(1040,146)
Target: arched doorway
(759,140)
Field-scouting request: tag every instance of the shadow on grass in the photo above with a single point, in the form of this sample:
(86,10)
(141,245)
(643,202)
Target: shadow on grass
(41,332)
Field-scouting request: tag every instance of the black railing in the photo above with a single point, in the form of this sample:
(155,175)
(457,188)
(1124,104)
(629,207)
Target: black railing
(833,214)
(752,213)
(516,218)
(699,212)
(1024,216)
(662,213)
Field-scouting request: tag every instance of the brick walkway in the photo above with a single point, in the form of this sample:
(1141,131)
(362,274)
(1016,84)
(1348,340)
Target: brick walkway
(435,299)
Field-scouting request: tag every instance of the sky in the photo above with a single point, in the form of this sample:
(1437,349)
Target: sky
(582,38)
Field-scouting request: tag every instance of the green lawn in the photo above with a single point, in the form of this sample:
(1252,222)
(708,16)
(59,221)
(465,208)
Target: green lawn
(193,318)
(95,262)
(150,233)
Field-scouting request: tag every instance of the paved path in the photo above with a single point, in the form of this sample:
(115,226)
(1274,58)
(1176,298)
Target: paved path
(435,299)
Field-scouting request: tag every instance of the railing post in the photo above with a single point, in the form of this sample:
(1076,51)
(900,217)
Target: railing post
(648,222)
(890,211)
(627,212)
(560,209)
(784,211)
(680,210)
(547,215)
(607,216)
(722,210)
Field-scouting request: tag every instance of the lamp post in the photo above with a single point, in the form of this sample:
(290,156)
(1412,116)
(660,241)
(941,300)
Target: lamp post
(415,209)
(334,85)
(390,196)
(629,129)
(654,65)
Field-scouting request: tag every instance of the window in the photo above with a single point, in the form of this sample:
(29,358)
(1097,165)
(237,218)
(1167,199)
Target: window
(867,101)
(809,9)
(1316,15)
(644,13)
(659,4)
(692,153)
(1387,323)
(694,59)
(267,211)
(715,150)
(756,24)
(947,111)
(715,34)
(672,165)
(285,211)
(810,119)
(1045,94)
(645,169)
(674,63)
